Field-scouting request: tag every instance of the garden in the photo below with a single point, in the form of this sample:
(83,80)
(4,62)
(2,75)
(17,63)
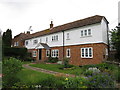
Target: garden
(102,75)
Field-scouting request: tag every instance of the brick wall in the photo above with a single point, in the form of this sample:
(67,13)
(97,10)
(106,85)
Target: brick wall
(99,54)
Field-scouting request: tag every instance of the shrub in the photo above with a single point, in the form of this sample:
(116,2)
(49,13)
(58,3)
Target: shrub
(102,80)
(52,60)
(10,68)
(77,82)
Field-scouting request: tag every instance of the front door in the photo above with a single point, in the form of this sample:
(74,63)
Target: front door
(40,54)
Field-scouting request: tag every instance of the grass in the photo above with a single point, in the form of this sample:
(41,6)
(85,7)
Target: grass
(55,67)
(28,76)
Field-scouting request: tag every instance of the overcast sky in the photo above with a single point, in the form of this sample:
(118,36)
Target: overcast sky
(18,15)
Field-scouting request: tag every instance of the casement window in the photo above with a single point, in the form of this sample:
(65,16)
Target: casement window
(89,31)
(106,50)
(67,53)
(16,43)
(34,53)
(40,40)
(26,43)
(46,39)
(68,36)
(55,38)
(47,53)
(86,52)
(85,33)
(35,41)
(55,53)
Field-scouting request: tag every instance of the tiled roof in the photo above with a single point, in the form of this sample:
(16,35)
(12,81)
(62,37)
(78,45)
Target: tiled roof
(79,23)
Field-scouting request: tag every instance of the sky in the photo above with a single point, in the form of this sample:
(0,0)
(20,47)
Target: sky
(19,15)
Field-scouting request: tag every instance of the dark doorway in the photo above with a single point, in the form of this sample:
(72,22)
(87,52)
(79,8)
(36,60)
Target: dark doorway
(40,54)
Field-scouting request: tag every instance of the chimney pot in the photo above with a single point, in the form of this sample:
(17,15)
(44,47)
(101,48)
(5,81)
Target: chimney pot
(51,25)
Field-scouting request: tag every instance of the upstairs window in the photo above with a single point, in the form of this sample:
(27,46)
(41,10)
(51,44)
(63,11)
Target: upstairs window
(68,53)
(40,40)
(85,33)
(68,36)
(55,38)
(26,43)
(35,41)
(46,39)
(86,52)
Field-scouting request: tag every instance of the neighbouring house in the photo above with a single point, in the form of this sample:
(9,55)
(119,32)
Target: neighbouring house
(83,41)
(18,40)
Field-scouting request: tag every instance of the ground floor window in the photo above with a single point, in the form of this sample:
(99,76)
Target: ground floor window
(34,53)
(47,53)
(67,53)
(55,53)
(87,52)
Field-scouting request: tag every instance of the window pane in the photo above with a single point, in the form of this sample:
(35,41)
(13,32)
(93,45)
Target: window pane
(86,52)
(85,32)
(90,52)
(82,52)
(81,33)
(89,31)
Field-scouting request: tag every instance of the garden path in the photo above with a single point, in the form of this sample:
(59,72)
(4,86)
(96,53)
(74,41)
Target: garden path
(47,71)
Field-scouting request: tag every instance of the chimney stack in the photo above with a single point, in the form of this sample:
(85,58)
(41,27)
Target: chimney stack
(28,32)
(51,25)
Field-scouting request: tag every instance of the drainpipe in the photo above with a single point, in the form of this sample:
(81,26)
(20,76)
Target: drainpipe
(63,44)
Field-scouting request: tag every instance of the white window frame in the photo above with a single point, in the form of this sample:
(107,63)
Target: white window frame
(106,51)
(46,39)
(67,53)
(47,53)
(34,54)
(34,41)
(55,38)
(68,36)
(54,53)
(26,43)
(83,54)
(88,33)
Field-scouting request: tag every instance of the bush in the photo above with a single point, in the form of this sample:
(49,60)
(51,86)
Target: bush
(19,53)
(102,80)
(52,60)
(77,82)
(10,68)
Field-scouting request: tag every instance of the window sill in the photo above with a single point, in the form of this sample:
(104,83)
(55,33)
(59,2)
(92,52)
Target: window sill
(86,57)
(67,39)
(86,36)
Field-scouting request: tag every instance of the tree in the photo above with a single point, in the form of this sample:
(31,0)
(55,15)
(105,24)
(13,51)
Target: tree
(115,39)
(7,38)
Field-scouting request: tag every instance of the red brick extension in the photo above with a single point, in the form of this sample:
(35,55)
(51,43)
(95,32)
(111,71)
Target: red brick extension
(99,54)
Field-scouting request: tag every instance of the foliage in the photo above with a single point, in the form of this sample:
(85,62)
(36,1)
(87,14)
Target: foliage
(115,39)
(66,63)
(102,80)
(7,38)
(19,53)
(10,68)
(52,60)
(77,82)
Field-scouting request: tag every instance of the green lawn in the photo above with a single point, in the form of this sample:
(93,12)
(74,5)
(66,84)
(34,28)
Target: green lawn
(55,67)
(28,76)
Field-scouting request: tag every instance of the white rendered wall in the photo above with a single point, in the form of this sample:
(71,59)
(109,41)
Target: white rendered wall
(99,35)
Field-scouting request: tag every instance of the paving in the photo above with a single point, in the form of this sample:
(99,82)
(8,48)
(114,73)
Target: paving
(47,71)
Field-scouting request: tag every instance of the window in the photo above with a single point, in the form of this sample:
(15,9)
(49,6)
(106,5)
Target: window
(34,54)
(68,36)
(26,43)
(68,53)
(86,33)
(81,33)
(106,50)
(35,41)
(16,43)
(47,53)
(86,52)
(55,53)
(89,31)
(46,39)
(55,38)
(40,40)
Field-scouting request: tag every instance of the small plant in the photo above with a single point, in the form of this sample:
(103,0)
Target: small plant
(52,60)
